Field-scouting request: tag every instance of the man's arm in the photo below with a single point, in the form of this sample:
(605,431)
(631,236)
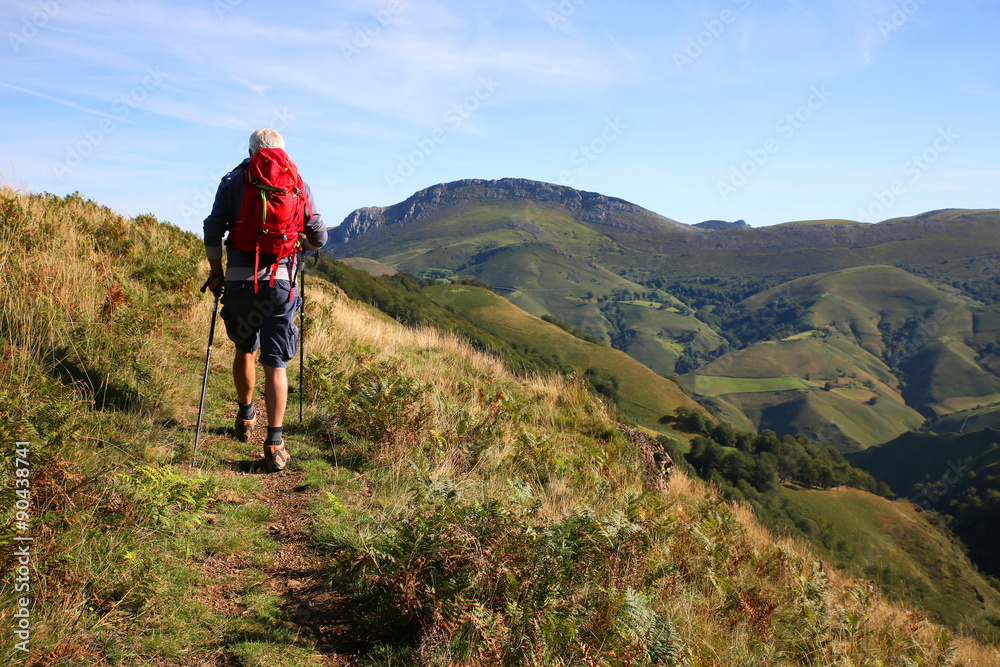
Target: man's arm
(218,222)
(314,234)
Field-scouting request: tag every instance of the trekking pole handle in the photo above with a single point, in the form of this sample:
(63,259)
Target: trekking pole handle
(209,281)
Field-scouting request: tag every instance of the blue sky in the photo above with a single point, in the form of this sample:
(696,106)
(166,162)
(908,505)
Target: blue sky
(768,111)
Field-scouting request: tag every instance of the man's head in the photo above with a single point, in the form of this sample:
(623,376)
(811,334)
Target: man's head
(265,138)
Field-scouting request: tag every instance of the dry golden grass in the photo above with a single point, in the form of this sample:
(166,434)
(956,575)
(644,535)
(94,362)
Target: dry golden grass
(973,654)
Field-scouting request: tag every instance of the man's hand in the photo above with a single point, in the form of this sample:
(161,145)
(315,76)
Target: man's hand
(304,242)
(216,277)
(215,284)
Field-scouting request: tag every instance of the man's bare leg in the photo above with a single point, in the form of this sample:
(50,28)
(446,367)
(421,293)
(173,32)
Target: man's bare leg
(275,394)
(244,376)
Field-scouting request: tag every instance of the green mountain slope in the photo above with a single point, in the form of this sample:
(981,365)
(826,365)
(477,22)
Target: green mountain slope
(956,476)
(900,548)
(542,257)
(642,395)
(813,493)
(879,351)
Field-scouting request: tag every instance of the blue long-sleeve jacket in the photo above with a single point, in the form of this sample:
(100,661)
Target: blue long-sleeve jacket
(225,210)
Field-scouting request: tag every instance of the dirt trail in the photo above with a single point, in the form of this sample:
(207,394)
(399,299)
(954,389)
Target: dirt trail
(297,574)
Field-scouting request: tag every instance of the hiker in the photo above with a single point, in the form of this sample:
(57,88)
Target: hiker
(259,310)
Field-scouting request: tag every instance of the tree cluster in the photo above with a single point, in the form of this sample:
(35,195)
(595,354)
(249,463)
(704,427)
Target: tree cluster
(746,465)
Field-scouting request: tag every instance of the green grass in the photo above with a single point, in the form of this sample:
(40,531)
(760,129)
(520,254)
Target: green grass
(946,378)
(369,266)
(656,305)
(707,385)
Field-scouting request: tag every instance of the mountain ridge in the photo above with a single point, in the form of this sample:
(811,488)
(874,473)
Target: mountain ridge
(618,215)
(594,208)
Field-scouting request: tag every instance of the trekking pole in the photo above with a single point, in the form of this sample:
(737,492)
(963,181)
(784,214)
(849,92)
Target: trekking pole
(302,331)
(204,383)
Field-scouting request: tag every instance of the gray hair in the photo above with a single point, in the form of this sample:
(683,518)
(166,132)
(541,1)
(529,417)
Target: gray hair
(265,138)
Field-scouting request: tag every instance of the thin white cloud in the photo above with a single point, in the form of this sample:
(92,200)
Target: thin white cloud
(67,103)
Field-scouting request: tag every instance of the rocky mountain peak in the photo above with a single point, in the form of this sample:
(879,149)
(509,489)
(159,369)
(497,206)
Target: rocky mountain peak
(588,207)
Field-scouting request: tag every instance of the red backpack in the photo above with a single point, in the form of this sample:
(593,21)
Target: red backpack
(272,212)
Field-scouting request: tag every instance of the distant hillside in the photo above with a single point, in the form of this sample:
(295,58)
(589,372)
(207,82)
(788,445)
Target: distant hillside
(856,356)
(674,249)
(721,224)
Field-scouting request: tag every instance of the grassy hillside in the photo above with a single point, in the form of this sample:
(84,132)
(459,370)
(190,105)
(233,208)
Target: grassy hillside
(956,476)
(642,395)
(543,259)
(823,385)
(439,509)
(799,489)
(903,550)
(369,266)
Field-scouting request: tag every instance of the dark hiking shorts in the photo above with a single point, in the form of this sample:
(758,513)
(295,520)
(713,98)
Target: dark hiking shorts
(264,320)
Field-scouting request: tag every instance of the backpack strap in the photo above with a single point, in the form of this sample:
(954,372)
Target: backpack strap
(256,266)
(295,252)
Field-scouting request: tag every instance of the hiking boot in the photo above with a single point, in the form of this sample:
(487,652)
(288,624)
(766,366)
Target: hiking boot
(244,427)
(275,456)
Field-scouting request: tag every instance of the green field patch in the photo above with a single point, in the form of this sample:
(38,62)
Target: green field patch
(709,385)
(656,305)
(670,345)
(802,336)
(969,403)
(857,394)
(369,266)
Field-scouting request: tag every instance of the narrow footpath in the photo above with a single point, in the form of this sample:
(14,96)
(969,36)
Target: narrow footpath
(311,611)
